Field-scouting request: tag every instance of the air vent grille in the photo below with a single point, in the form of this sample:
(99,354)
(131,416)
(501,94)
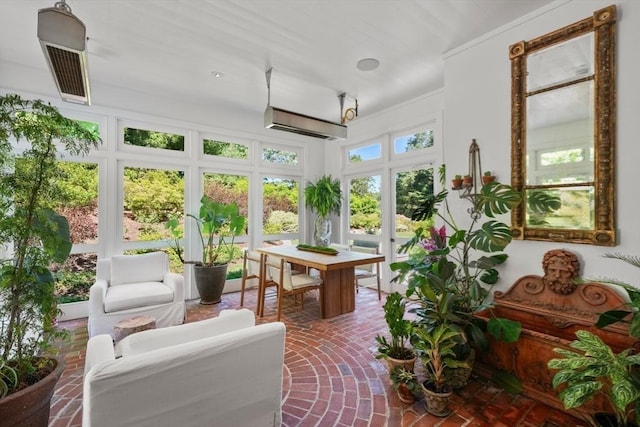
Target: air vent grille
(68,71)
(299,131)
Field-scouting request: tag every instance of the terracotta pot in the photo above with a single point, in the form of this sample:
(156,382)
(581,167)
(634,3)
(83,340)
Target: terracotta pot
(488,178)
(210,282)
(436,403)
(467,182)
(30,406)
(407,364)
(456,184)
(405,395)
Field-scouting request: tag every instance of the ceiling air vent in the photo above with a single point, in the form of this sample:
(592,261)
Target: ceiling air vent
(64,43)
(288,121)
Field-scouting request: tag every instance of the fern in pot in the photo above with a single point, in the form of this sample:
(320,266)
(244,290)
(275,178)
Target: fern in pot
(324,197)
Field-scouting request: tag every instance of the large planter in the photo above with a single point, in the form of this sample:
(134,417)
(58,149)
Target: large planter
(436,403)
(210,282)
(30,406)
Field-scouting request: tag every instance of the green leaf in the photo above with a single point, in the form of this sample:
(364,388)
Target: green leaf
(543,201)
(493,236)
(497,199)
(612,316)
(576,395)
(507,381)
(504,329)
(490,277)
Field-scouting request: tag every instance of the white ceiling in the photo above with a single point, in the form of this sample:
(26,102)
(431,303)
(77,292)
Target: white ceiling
(170,48)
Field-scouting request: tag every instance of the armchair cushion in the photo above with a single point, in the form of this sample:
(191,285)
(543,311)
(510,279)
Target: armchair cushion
(134,295)
(138,268)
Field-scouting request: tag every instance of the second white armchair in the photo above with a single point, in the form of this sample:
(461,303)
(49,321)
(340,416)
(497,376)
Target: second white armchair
(134,285)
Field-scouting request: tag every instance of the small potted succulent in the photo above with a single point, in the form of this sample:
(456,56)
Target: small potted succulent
(488,177)
(456,182)
(467,181)
(406,384)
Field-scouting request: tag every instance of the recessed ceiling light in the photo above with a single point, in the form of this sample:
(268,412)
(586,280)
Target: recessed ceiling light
(368,64)
(217,74)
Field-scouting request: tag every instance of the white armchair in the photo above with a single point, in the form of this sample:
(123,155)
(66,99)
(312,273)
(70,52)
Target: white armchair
(198,374)
(134,285)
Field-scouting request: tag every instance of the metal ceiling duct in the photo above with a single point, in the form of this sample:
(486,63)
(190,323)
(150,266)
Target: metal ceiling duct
(64,43)
(288,121)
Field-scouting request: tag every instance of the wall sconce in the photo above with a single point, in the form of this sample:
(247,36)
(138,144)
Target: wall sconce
(472,182)
(348,114)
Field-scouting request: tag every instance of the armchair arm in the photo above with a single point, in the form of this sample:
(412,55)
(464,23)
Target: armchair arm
(99,349)
(175,281)
(97,294)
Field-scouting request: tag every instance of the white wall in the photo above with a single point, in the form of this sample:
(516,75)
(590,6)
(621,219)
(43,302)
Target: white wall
(477,105)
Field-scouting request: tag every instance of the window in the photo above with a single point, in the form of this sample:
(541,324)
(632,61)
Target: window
(280,157)
(225,149)
(365,212)
(153,139)
(226,188)
(78,202)
(280,205)
(366,153)
(416,141)
(151,196)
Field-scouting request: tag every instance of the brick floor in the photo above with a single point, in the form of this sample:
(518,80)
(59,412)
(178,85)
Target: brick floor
(331,377)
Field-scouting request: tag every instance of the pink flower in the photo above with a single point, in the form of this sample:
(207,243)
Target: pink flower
(439,236)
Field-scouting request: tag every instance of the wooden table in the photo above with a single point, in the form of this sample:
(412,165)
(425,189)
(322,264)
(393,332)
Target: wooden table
(336,271)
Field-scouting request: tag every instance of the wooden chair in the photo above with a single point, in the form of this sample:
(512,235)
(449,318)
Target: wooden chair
(368,270)
(251,270)
(288,284)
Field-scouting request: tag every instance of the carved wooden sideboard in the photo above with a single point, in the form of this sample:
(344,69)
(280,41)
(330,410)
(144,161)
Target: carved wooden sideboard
(550,319)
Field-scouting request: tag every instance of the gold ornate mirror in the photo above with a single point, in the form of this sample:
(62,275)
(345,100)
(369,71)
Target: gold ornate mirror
(563,116)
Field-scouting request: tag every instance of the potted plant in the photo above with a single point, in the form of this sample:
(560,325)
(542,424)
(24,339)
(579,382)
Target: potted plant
(406,384)
(435,349)
(218,224)
(618,374)
(488,177)
(456,182)
(324,197)
(596,369)
(450,270)
(38,237)
(467,181)
(396,352)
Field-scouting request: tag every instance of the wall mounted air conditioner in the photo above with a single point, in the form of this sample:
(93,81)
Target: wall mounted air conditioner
(64,43)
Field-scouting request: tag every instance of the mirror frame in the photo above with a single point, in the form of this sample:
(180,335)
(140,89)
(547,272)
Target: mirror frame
(603,26)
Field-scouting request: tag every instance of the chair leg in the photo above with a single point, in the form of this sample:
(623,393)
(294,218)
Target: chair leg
(379,295)
(279,305)
(242,285)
